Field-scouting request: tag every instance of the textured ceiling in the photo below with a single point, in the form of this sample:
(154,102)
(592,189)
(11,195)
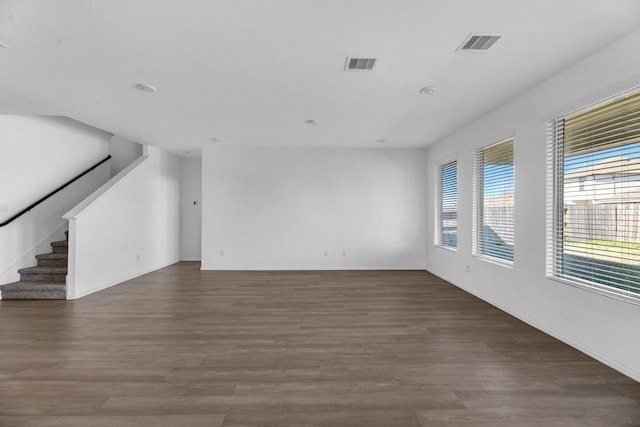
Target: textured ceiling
(251,72)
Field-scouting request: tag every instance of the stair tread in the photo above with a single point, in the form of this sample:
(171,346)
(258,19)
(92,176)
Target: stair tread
(45,281)
(33,286)
(53,255)
(44,270)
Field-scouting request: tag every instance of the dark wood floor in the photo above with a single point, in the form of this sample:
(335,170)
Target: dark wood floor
(181,347)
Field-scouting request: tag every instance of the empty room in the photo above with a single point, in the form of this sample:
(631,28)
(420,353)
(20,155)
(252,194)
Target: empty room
(291,213)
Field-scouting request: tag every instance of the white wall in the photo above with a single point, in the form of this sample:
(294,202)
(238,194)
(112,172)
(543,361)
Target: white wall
(190,209)
(37,155)
(129,227)
(602,327)
(123,153)
(313,209)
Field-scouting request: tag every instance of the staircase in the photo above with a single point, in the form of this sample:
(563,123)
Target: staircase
(47,280)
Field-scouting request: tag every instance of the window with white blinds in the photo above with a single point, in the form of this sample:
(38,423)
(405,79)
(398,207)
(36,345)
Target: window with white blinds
(447,206)
(494,202)
(594,197)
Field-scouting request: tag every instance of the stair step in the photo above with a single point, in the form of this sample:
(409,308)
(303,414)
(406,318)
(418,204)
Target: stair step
(59,259)
(61,246)
(34,290)
(43,274)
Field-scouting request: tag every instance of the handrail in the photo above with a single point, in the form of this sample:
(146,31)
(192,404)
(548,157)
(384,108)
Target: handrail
(62,187)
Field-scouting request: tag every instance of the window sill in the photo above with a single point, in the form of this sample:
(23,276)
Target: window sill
(497,261)
(618,294)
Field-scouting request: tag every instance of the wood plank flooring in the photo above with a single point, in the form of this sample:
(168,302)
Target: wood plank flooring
(183,347)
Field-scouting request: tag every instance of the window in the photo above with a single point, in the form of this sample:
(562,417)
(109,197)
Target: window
(594,197)
(447,205)
(494,202)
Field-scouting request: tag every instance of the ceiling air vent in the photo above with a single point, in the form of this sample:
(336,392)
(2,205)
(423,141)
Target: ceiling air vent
(479,42)
(360,64)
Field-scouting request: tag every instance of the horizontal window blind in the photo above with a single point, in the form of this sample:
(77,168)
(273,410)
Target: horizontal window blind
(494,201)
(448,205)
(596,196)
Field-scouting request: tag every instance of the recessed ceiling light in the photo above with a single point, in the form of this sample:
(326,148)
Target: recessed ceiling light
(428,90)
(214,139)
(145,88)
(381,140)
(4,45)
(312,122)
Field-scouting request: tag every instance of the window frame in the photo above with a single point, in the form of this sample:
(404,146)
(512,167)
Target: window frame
(438,211)
(478,204)
(555,205)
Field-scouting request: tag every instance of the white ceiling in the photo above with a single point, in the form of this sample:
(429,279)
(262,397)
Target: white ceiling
(250,72)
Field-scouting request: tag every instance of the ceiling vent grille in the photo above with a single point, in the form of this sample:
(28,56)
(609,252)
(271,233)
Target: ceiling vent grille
(479,42)
(360,64)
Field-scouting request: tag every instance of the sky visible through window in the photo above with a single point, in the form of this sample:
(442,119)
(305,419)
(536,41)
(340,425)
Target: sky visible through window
(573,163)
(496,188)
(450,192)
